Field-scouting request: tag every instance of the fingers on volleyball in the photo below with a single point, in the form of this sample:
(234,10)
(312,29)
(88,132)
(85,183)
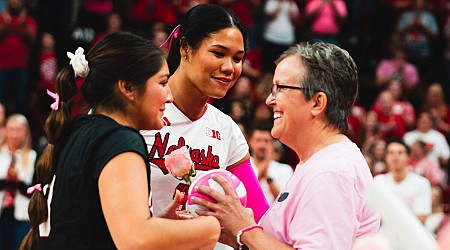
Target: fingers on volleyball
(206,180)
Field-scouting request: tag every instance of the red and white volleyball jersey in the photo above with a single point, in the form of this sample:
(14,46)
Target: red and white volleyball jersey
(215,142)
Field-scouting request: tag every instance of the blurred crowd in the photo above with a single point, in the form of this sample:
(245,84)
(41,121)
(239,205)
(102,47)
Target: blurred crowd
(401,47)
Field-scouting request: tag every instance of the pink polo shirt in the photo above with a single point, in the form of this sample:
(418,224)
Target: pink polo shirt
(322,207)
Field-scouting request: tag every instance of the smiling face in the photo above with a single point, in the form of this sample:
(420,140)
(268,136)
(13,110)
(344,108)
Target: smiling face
(290,108)
(216,64)
(152,101)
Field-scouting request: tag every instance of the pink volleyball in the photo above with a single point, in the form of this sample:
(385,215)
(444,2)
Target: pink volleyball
(206,180)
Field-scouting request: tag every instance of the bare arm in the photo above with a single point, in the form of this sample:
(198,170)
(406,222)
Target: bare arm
(337,16)
(124,199)
(246,157)
(313,14)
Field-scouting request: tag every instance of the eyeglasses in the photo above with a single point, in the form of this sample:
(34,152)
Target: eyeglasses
(276,88)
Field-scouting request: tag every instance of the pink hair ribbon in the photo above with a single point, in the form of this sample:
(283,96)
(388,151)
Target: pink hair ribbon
(31,189)
(54,106)
(173,35)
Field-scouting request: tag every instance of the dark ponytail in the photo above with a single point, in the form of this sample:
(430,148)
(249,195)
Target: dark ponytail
(54,127)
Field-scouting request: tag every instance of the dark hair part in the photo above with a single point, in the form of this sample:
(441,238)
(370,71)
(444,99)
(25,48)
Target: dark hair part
(199,23)
(260,126)
(119,56)
(423,145)
(331,70)
(399,141)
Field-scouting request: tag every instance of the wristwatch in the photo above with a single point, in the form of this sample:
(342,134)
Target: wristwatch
(269,180)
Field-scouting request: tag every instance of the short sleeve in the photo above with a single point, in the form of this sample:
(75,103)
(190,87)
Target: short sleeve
(341,8)
(120,141)
(431,23)
(422,201)
(412,74)
(383,69)
(311,6)
(270,6)
(31,23)
(314,226)
(238,146)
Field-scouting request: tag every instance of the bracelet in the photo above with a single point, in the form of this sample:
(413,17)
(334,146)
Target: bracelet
(239,234)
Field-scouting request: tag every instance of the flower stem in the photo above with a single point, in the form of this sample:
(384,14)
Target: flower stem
(187,179)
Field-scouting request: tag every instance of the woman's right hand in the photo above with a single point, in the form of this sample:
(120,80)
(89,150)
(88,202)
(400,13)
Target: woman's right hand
(227,209)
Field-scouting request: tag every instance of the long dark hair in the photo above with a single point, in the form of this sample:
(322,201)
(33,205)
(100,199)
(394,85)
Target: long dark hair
(119,56)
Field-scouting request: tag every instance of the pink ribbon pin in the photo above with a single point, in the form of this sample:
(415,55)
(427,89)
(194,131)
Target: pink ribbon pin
(55,105)
(31,189)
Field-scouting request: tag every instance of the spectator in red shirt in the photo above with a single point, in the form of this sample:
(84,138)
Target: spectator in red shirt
(113,23)
(391,125)
(17,34)
(401,106)
(439,109)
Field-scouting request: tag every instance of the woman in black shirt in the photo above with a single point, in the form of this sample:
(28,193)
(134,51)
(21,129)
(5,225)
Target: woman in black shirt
(95,172)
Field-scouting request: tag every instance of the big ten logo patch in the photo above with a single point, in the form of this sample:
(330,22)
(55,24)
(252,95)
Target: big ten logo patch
(213,133)
(183,188)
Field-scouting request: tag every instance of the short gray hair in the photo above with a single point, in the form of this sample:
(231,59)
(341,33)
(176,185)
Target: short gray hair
(331,70)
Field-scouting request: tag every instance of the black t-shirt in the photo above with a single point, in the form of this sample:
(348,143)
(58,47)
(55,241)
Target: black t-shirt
(76,217)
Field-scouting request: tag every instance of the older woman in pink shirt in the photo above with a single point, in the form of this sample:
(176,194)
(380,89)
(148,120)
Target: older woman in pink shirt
(321,206)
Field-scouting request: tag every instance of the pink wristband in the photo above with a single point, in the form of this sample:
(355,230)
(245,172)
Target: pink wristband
(239,234)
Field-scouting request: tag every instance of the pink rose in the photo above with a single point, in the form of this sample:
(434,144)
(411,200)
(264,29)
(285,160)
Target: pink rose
(180,165)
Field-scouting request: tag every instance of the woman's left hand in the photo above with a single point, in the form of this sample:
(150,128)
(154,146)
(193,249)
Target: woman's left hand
(172,212)
(227,209)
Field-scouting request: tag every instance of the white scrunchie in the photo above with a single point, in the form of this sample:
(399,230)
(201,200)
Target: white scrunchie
(79,63)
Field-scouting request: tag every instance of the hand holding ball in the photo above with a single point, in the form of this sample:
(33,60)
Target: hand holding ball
(206,180)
